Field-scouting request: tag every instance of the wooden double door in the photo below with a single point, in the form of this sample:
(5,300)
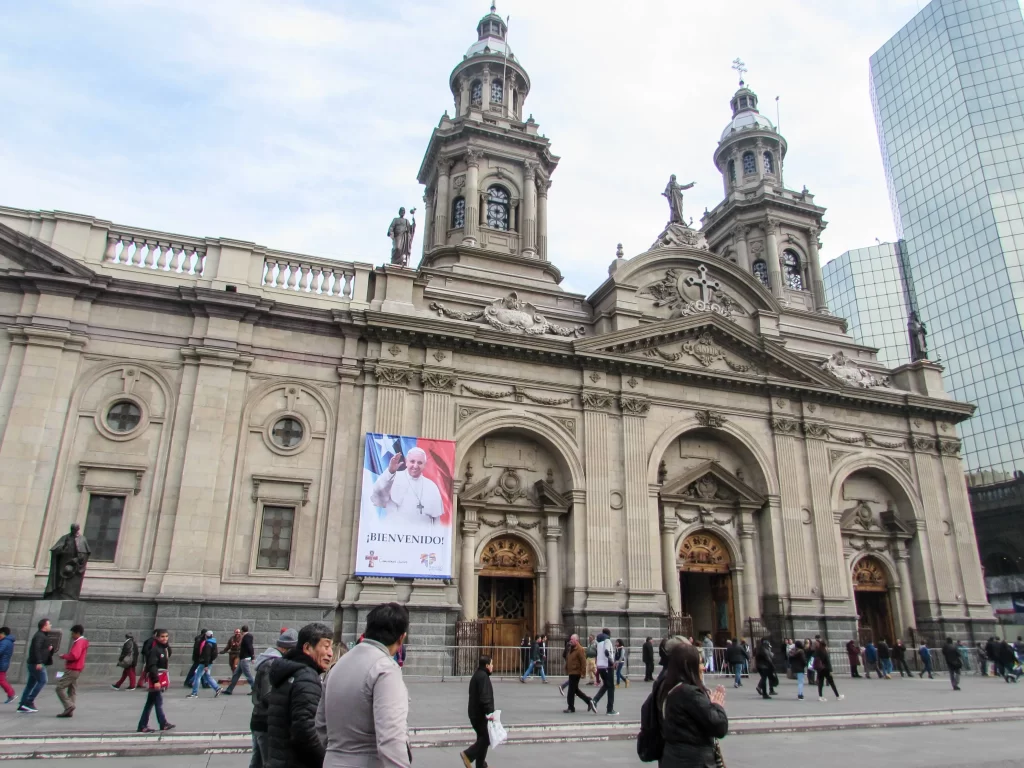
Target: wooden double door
(505,610)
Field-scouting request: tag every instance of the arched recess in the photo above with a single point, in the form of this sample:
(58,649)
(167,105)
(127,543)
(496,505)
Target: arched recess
(507,597)
(706,562)
(739,438)
(888,472)
(89,447)
(875,584)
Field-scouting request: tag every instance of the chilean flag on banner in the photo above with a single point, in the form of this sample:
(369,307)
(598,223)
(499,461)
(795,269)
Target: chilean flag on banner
(440,460)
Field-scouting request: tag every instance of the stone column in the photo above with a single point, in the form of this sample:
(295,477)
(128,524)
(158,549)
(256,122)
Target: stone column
(543,185)
(751,605)
(935,527)
(602,544)
(742,251)
(834,578)
(962,523)
(443,204)
(740,588)
(906,590)
(759,160)
(467,573)
(639,526)
(553,608)
(669,570)
(787,451)
(528,227)
(428,221)
(775,280)
(485,80)
(464,96)
(817,281)
(472,196)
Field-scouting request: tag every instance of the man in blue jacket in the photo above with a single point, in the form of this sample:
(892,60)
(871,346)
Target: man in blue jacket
(6,651)
(207,654)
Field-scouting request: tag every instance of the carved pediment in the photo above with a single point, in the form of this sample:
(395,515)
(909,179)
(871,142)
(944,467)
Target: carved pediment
(547,496)
(709,484)
(688,291)
(26,254)
(865,519)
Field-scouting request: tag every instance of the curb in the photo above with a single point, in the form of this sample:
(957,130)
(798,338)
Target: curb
(198,743)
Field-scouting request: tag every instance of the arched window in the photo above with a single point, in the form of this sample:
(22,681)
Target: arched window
(476,93)
(732,171)
(458,212)
(497,91)
(497,207)
(769,163)
(791,267)
(760,270)
(749,164)
(743,102)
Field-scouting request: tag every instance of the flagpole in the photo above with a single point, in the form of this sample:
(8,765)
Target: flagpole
(778,130)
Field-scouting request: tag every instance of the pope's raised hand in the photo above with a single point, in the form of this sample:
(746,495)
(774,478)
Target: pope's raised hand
(395,463)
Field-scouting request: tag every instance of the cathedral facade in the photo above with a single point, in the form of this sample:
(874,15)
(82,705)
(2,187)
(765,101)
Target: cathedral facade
(697,444)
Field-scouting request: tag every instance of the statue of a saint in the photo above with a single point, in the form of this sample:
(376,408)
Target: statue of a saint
(674,193)
(918,338)
(401,233)
(68,558)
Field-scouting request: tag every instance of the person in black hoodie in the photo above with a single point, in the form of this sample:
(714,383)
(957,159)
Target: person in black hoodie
(953,662)
(737,659)
(647,656)
(481,706)
(823,665)
(40,656)
(691,716)
(197,644)
(156,677)
(294,697)
(765,668)
(207,655)
(246,653)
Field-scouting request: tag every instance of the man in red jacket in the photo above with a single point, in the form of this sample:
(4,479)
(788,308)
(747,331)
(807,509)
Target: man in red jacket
(74,663)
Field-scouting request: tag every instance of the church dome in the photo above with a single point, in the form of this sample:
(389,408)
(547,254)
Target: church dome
(491,33)
(744,113)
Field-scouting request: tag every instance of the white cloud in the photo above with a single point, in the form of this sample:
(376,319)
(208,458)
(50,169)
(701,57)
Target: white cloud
(301,125)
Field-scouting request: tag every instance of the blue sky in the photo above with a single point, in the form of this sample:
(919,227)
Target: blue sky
(301,125)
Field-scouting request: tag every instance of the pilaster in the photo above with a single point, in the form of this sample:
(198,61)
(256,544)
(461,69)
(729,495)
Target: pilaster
(962,523)
(834,579)
(640,531)
(775,281)
(392,381)
(529,224)
(817,280)
(543,185)
(669,523)
(934,530)
(472,195)
(443,204)
(437,403)
(742,251)
(787,450)
(601,543)
(749,591)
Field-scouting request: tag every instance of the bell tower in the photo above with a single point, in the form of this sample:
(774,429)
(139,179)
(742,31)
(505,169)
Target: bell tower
(487,169)
(763,227)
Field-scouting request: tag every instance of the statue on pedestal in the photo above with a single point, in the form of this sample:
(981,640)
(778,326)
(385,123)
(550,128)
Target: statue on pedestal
(401,233)
(68,558)
(918,338)
(674,193)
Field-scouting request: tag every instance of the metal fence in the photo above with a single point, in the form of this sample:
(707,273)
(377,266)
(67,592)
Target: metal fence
(448,661)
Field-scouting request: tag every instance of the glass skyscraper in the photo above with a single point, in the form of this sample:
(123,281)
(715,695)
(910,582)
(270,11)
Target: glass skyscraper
(948,93)
(866,286)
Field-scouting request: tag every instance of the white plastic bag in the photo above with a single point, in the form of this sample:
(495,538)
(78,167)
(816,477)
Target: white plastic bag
(496,732)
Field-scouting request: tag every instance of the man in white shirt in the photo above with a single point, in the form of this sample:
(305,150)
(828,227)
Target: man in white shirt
(408,496)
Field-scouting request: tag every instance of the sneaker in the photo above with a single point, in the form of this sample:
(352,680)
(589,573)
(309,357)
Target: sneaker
(821,698)
(167,726)
(591,707)
(9,700)
(27,708)
(569,711)
(147,729)
(192,696)
(612,714)
(522,679)
(226,692)
(800,697)
(131,687)
(67,713)
(840,697)
(218,692)
(115,687)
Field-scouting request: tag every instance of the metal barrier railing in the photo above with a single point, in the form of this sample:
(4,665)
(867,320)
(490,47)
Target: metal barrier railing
(511,661)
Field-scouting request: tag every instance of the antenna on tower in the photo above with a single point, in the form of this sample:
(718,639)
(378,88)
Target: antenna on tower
(740,67)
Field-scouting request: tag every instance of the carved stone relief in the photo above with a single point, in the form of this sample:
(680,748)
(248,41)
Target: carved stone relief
(691,294)
(511,315)
(852,375)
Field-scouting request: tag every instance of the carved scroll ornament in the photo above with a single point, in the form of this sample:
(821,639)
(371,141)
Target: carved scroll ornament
(511,315)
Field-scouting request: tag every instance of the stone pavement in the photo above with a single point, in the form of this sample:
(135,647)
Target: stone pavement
(992,745)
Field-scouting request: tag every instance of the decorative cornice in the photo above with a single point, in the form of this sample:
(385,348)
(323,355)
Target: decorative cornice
(595,401)
(708,418)
(634,406)
(393,375)
(436,380)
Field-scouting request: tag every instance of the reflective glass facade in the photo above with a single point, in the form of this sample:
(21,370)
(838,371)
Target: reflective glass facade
(866,287)
(948,93)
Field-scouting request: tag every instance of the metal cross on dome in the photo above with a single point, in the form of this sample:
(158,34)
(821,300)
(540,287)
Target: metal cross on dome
(706,287)
(740,67)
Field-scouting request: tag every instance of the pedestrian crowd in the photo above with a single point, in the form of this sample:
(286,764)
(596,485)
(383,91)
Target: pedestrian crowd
(317,703)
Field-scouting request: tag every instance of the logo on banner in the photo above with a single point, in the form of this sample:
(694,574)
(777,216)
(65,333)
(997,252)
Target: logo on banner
(371,559)
(428,560)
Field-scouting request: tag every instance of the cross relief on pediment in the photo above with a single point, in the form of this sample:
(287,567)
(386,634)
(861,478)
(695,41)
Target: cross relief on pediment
(690,291)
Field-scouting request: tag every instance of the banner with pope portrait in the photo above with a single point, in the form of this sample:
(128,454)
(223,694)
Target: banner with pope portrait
(405,511)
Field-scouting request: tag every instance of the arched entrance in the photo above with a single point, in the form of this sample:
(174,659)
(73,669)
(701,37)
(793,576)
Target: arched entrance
(871,594)
(506,597)
(705,585)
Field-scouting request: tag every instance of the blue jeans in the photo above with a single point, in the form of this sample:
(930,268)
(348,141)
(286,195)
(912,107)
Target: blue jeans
(739,674)
(540,668)
(800,678)
(203,673)
(887,666)
(619,677)
(154,700)
(33,685)
(244,668)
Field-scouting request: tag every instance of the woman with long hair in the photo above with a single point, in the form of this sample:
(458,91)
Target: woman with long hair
(823,666)
(692,718)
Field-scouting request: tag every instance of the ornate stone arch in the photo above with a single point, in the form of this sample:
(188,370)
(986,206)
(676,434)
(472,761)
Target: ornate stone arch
(482,424)
(506,180)
(728,541)
(892,474)
(675,430)
(256,395)
(100,371)
(535,551)
(891,575)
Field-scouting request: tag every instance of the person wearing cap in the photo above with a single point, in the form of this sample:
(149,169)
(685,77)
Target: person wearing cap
(261,694)
(207,654)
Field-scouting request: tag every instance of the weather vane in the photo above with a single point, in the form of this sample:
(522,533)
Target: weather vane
(740,67)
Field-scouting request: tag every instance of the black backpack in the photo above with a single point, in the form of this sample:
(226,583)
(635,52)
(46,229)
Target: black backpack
(649,742)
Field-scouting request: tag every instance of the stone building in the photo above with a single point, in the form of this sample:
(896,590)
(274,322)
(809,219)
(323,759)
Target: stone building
(697,438)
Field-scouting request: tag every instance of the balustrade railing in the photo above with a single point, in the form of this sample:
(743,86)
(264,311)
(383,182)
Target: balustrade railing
(323,278)
(179,257)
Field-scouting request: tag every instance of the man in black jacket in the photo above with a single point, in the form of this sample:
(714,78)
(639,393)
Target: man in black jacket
(246,653)
(481,706)
(647,656)
(207,655)
(155,681)
(737,660)
(261,695)
(294,696)
(953,662)
(40,656)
